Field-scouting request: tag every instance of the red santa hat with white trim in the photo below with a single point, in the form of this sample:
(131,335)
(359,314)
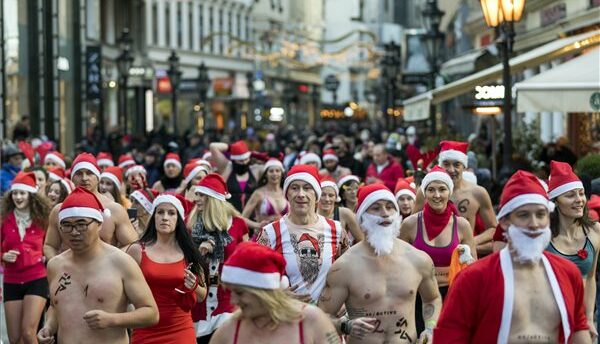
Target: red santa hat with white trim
(239,151)
(256,266)
(437,174)
(562,179)
(522,188)
(105,159)
(85,161)
(304,173)
(172,158)
(135,169)
(125,160)
(273,162)
(454,150)
(329,154)
(369,194)
(330,182)
(202,162)
(145,197)
(346,179)
(82,203)
(214,185)
(192,169)
(177,200)
(403,188)
(309,157)
(115,174)
(56,157)
(56,173)
(24,181)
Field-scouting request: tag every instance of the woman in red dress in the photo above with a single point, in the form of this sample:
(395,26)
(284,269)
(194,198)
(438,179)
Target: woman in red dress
(217,229)
(173,269)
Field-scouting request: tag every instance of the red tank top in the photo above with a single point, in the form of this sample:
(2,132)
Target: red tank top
(237,332)
(175,325)
(441,256)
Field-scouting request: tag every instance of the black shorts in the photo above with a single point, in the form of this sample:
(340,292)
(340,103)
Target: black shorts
(18,291)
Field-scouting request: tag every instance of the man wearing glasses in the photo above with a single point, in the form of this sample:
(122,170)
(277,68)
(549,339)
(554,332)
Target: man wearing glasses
(92,283)
(116,228)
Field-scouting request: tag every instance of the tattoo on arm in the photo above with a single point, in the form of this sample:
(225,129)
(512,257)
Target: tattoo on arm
(428,311)
(263,238)
(63,282)
(332,338)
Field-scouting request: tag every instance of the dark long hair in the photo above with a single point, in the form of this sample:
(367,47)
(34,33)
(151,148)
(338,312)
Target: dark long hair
(585,221)
(263,179)
(343,200)
(184,240)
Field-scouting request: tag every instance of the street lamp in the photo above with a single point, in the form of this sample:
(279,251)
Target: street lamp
(124,62)
(433,39)
(502,14)
(174,77)
(203,84)
(391,67)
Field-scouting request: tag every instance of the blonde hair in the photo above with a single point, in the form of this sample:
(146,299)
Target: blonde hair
(215,216)
(280,305)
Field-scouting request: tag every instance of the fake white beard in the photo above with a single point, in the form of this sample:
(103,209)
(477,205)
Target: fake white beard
(527,249)
(381,238)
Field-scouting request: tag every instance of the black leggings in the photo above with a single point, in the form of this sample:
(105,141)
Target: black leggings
(204,339)
(420,324)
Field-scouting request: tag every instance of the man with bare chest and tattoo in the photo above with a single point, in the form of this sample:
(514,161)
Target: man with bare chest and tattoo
(92,282)
(522,294)
(309,242)
(116,229)
(378,279)
(470,199)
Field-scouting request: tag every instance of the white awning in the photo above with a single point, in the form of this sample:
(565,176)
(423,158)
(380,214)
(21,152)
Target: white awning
(464,64)
(568,87)
(533,58)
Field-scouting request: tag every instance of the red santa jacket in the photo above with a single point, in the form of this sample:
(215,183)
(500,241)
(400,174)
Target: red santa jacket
(29,265)
(472,311)
(389,174)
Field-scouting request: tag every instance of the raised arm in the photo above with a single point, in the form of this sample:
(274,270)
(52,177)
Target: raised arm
(218,158)
(124,231)
(52,241)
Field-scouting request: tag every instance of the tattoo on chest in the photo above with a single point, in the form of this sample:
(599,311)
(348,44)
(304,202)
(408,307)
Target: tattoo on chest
(400,330)
(533,338)
(63,282)
(463,205)
(356,312)
(85,290)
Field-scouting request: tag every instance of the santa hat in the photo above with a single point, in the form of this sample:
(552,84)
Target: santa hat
(310,157)
(24,181)
(115,174)
(562,179)
(454,150)
(469,176)
(81,203)
(403,187)
(202,162)
(105,159)
(411,181)
(56,157)
(239,151)
(214,185)
(273,162)
(304,173)
(369,194)
(87,161)
(172,158)
(346,179)
(56,173)
(522,188)
(191,170)
(329,182)
(135,169)
(175,200)
(256,266)
(145,197)
(437,174)
(69,186)
(125,160)
(207,155)
(329,154)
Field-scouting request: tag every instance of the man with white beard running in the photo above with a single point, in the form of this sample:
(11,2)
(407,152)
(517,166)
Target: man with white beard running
(520,294)
(378,278)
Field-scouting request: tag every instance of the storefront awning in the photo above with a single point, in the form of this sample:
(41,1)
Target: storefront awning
(569,87)
(560,47)
(466,63)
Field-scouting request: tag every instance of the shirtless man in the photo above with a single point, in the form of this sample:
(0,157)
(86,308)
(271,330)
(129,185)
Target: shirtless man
(309,242)
(470,199)
(380,304)
(116,227)
(520,294)
(88,306)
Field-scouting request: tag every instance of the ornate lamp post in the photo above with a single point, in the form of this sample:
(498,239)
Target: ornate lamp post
(203,84)
(124,62)
(175,77)
(502,14)
(433,39)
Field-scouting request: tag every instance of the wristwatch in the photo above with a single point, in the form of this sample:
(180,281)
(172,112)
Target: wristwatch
(344,327)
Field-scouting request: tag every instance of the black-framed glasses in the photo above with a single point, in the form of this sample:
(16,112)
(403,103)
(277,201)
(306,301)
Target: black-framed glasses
(80,227)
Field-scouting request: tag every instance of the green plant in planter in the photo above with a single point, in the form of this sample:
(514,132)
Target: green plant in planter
(590,165)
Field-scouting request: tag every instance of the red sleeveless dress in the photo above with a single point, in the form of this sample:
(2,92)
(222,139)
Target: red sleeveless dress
(175,325)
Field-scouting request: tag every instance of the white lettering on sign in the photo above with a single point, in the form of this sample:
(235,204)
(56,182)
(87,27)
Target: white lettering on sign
(489,92)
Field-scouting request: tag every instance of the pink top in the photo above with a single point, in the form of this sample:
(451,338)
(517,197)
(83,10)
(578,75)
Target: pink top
(441,256)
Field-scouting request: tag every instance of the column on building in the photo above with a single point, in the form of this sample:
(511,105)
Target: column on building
(173,22)
(206,29)
(149,22)
(215,28)
(195,25)
(185,25)
(161,9)
(227,8)
(233,43)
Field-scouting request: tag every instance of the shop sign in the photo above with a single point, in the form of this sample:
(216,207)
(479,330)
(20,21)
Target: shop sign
(93,60)
(552,14)
(595,101)
(223,86)
(489,92)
